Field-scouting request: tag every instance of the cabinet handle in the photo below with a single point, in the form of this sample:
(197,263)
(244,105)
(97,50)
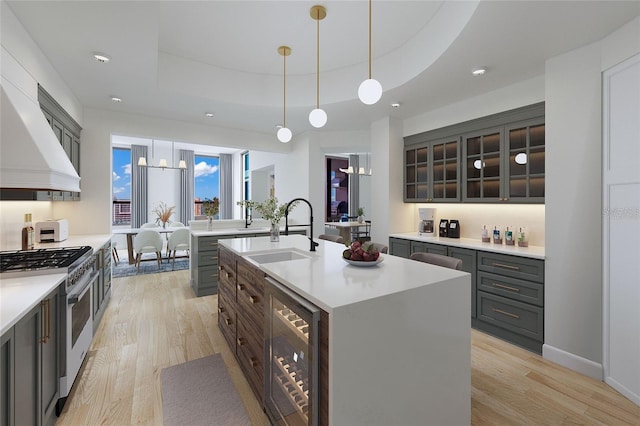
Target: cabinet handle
(253,299)
(46,321)
(221,309)
(228,321)
(502,265)
(509,314)
(506,287)
(240,341)
(254,362)
(240,287)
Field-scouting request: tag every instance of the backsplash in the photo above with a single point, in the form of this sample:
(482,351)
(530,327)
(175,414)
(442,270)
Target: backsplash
(473,216)
(12,220)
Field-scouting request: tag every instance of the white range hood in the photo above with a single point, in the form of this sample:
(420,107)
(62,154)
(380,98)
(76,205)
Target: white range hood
(31,156)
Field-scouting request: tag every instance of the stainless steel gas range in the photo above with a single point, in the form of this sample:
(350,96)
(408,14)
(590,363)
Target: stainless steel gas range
(76,322)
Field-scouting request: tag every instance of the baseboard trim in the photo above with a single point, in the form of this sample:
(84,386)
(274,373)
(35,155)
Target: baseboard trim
(573,362)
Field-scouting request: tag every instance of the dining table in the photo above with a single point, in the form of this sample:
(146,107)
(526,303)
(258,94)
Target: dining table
(131,232)
(345,227)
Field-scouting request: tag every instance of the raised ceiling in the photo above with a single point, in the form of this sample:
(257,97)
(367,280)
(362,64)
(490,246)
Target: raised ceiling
(180,59)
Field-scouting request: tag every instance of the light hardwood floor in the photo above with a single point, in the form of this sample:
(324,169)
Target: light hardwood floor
(154,321)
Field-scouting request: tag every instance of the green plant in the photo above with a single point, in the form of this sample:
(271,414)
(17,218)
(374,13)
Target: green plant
(269,209)
(211,207)
(360,211)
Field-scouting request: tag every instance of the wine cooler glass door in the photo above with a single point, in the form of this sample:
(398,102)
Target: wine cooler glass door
(291,357)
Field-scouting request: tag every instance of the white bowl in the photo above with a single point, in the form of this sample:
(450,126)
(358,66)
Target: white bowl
(362,263)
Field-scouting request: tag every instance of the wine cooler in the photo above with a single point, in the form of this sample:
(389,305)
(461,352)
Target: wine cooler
(291,357)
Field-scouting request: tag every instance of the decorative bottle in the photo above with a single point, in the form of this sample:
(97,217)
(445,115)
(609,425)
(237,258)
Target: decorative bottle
(28,233)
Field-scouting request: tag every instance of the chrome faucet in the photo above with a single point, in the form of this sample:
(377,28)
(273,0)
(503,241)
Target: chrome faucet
(286,221)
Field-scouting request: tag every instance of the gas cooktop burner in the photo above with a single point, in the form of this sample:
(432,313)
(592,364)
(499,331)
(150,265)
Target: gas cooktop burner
(47,258)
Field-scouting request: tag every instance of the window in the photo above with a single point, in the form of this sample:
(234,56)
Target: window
(121,187)
(207,181)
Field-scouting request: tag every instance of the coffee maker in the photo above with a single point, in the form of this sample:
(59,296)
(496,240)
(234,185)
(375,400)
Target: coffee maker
(426,226)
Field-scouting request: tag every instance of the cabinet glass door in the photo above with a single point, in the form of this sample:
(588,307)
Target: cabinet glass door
(445,171)
(483,168)
(526,162)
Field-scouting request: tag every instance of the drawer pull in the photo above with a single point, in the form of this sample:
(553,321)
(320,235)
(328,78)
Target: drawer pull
(509,314)
(240,341)
(254,362)
(502,265)
(221,309)
(253,299)
(228,321)
(506,287)
(240,287)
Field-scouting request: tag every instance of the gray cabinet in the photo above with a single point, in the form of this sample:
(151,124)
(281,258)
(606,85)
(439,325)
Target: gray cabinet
(399,247)
(469,264)
(30,366)
(102,286)
(432,170)
(510,299)
(420,247)
(497,158)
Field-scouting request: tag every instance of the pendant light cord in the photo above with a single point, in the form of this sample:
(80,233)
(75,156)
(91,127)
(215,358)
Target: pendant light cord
(318,59)
(284,91)
(369,39)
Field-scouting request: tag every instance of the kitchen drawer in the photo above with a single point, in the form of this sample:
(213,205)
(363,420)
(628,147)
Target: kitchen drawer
(207,275)
(418,247)
(227,321)
(524,291)
(511,266)
(249,274)
(207,258)
(518,317)
(251,303)
(207,243)
(250,352)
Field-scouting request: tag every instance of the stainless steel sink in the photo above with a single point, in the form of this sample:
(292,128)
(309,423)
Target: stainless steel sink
(277,256)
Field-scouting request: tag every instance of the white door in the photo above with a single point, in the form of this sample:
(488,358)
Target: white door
(621,227)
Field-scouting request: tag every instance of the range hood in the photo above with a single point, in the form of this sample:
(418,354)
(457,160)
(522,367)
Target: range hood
(31,157)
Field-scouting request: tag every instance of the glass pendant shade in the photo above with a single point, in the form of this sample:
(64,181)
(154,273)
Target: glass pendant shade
(284,134)
(182,164)
(318,117)
(142,161)
(370,91)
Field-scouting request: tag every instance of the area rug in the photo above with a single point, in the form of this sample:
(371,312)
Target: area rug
(201,392)
(123,269)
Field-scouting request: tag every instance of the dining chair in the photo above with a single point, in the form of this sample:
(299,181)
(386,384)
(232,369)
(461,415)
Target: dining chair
(114,252)
(330,237)
(382,248)
(177,225)
(150,225)
(438,259)
(147,241)
(179,240)
(360,234)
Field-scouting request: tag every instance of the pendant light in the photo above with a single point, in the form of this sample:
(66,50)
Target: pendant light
(370,90)
(317,117)
(284,134)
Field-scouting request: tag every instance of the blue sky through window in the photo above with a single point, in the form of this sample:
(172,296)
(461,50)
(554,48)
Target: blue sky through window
(207,177)
(121,174)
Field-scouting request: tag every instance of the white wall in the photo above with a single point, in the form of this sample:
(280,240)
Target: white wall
(573,266)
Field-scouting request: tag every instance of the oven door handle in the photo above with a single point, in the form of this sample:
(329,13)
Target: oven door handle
(72,299)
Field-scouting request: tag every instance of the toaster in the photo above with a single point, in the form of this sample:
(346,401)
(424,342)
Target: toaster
(52,230)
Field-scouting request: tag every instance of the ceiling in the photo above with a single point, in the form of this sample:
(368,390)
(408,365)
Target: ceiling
(180,59)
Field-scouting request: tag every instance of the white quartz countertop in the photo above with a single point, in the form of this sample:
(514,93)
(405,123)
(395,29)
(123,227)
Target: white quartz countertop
(19,295)
(241,230)
(534,252)
(326,280)
(94,240)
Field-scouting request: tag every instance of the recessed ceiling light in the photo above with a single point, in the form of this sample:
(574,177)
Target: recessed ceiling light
(478,71)
(101,57)
(116,99)
(396,105)
(208,114)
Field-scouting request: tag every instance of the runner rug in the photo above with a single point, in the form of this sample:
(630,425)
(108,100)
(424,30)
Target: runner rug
(201,392)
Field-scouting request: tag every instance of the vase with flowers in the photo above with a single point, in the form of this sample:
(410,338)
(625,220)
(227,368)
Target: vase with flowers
(271,211)
(163,213)
(211,208)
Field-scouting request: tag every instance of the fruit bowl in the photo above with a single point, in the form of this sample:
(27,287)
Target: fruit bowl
(363,263)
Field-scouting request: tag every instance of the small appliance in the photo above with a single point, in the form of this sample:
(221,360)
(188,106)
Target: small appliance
(453,230)
(444,228)
(427,225)
(52,230)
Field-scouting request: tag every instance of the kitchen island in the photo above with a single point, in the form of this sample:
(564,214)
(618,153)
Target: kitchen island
(398,342)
